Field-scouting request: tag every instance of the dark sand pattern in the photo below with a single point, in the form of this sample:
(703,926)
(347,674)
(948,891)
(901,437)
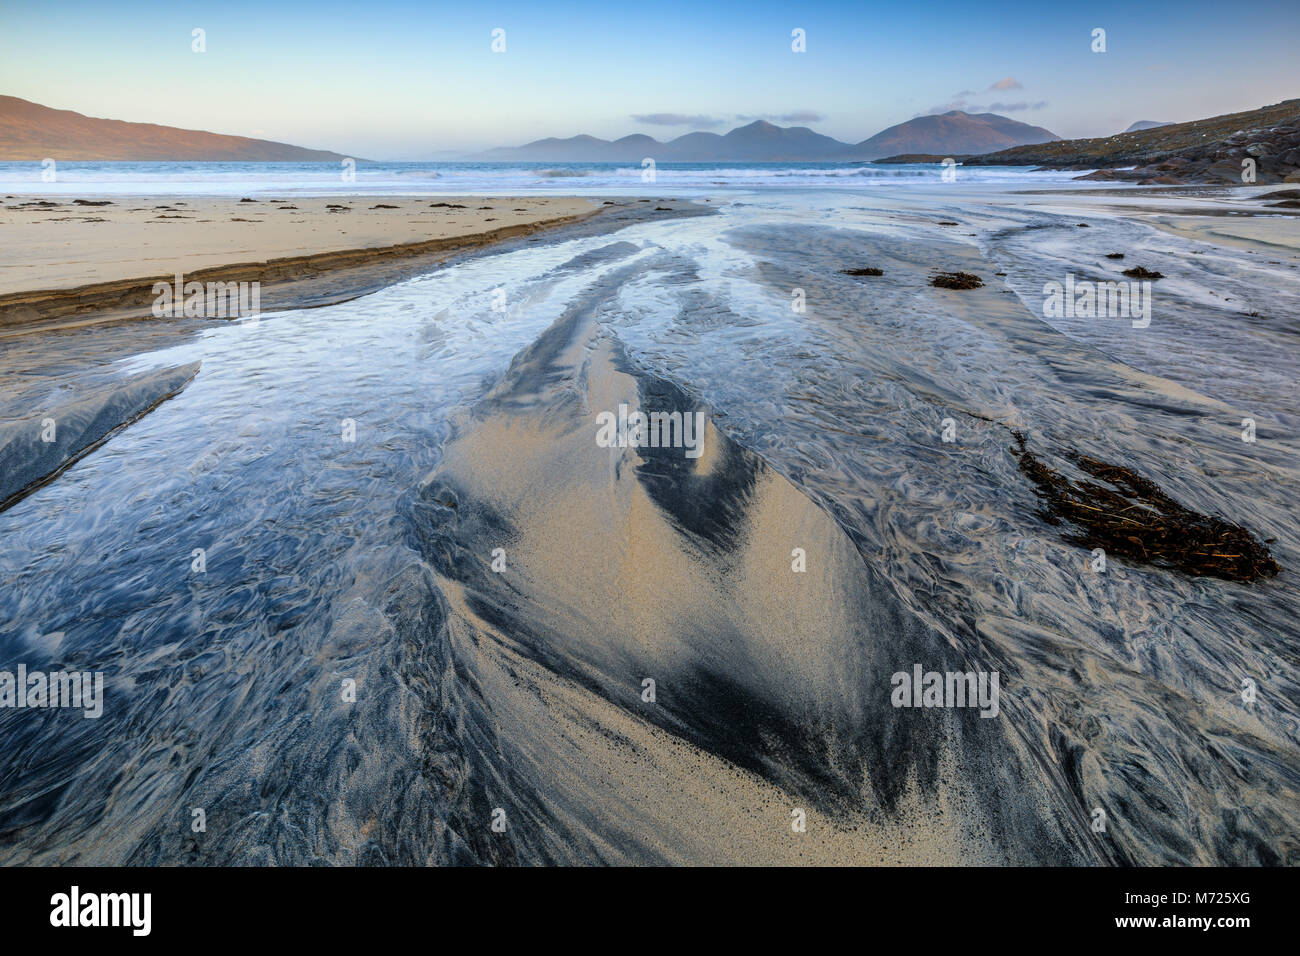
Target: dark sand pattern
(624,564)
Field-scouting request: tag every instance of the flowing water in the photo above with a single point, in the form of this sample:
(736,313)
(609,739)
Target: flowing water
(349,471)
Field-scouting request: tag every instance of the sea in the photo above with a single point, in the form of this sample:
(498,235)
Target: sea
(228,179)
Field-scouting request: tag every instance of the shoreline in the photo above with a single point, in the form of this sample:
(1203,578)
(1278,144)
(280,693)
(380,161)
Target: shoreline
(322,276)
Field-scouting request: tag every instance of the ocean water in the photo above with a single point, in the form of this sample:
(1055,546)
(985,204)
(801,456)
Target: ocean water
(223,179)
(521,690)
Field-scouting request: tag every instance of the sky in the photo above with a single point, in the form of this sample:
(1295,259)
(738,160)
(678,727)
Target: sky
(387,79)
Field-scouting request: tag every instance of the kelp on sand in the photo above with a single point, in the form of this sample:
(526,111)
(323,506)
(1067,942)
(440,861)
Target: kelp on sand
(1132,517)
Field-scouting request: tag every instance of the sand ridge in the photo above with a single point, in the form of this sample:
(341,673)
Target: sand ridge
(772,686)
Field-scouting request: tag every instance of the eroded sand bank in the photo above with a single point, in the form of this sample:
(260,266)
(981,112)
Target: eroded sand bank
(67,264)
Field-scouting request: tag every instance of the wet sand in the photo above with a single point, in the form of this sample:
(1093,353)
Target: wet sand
(521,688)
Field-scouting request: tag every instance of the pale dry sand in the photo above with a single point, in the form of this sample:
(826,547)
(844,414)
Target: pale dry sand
(1276,233)
(64,246)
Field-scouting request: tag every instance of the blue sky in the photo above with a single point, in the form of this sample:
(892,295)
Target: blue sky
(404,80)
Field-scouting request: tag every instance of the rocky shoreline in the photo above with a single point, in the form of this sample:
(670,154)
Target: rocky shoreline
(1256,147)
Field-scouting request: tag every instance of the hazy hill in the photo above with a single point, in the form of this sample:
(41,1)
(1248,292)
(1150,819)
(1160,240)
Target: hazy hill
(762,142)
(29,131)
(952,133)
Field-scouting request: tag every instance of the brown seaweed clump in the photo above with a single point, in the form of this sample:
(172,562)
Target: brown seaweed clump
(865,271)
(1135,519)
(1114,255)
(956,280)
(1137,272)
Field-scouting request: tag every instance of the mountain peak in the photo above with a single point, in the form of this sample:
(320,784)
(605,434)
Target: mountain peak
(953,133)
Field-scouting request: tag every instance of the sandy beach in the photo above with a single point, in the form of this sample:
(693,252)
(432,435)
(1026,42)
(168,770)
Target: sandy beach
(97,258)
(405,488)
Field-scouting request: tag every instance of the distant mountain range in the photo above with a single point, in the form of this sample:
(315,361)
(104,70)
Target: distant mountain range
(758,142)
(762,142)
(29,131)
(1145,124)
